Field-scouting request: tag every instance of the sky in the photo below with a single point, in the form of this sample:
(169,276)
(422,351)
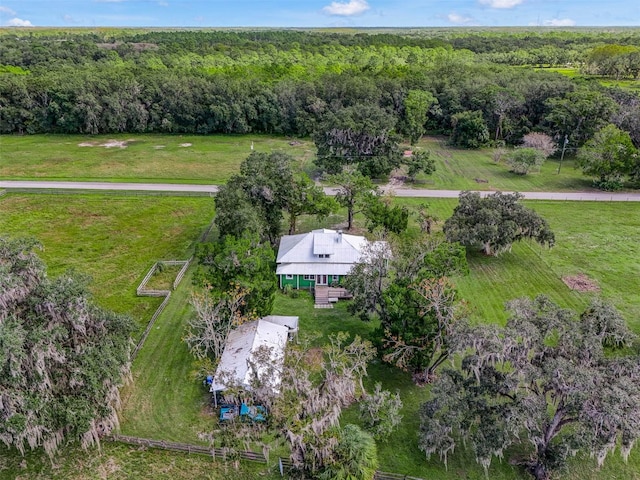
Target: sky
(318,13)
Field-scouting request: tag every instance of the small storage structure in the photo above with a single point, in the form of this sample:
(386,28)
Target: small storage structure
(238,365)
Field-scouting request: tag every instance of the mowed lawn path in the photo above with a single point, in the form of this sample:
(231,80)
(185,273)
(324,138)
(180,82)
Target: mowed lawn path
(166,401)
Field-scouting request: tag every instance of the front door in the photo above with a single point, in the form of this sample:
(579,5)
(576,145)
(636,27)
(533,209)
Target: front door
(321,279)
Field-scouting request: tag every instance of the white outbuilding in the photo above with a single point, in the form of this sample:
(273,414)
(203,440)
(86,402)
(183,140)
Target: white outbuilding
(235,366)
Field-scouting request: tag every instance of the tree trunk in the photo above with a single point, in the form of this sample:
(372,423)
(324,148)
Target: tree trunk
(349,218)
(539,471)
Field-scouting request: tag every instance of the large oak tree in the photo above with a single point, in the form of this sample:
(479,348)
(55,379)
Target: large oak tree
(544,382)
(495,222)
(62,358)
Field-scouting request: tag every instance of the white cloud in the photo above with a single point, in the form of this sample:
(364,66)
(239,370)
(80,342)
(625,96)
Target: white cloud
(501,3)
(459,19)
(69,19)
(162,3)
(7,10)
(18,22)
(560,22)
(354,7)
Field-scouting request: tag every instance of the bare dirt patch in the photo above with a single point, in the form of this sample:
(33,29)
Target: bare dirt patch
(186,144)
(581,283)
(314,358)
(158,147)
(108,469)
(107,144)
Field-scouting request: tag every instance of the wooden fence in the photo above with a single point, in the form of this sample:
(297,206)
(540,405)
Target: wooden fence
(150,326)
(187,448)
(142,291)
(285,466)
(128,193)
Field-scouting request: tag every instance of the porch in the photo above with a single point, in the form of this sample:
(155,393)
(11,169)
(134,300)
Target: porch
(326,296)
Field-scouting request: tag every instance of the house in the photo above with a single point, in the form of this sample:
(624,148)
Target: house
(235,366)
(320,257)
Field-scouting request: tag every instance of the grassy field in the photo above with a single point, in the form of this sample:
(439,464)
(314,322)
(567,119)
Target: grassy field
(165,398)
(459,169)
(625,84)
(116,461)
(214,158)
(114,239)
(598,239)
(145,158)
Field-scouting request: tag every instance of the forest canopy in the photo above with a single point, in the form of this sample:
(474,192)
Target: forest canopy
(289,81)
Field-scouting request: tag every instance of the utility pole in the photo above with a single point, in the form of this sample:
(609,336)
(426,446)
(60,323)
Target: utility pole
(564,147)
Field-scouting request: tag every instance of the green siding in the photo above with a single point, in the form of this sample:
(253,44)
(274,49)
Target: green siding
(298,281)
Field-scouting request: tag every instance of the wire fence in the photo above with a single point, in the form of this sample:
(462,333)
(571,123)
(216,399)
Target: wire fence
(129,193)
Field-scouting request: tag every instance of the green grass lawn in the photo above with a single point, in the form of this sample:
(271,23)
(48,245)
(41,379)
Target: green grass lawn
(117,461)
(114,239)
(117,239)
(214,158)
(598,239)
(146,158)
(166,401)
(460,169)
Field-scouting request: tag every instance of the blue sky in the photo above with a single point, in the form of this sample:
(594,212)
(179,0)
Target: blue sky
(319,13)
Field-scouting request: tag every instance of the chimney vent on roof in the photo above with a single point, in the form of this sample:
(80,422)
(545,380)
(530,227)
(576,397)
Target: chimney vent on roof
(339,239)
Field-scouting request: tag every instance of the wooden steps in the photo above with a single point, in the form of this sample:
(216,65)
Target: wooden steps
(321,294)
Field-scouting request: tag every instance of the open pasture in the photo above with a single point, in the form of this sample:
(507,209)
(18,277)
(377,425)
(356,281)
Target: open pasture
(113,239)
(136,158)
(460,169)
(598,239)
(214,158)
(116,239)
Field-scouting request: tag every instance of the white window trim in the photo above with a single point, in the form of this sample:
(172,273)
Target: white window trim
(289,276)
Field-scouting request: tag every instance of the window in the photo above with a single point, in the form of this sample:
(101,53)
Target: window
(323,255)
(309,277)
(289,276)
(336,278)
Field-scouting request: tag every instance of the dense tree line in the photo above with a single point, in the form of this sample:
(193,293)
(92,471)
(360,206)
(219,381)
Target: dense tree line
(291,82)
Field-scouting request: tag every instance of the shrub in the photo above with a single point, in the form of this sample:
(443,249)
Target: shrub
(356,456)
(380,412)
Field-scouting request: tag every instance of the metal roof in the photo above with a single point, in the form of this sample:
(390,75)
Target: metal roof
(241,344)
(314,269)
(299,254)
